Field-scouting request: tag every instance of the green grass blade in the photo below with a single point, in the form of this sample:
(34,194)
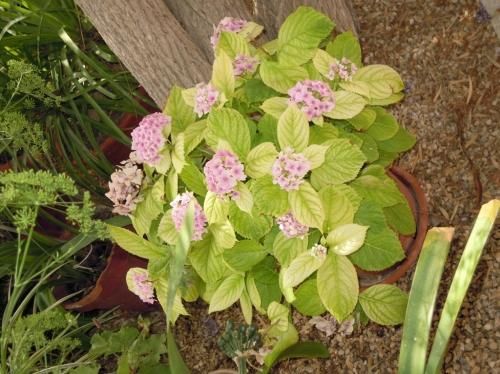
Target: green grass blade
(461,281)
(422,299)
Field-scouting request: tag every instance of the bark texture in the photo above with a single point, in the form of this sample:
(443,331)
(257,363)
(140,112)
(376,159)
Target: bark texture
(167,42)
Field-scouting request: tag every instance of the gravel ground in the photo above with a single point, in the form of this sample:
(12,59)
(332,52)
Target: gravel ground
(448,54)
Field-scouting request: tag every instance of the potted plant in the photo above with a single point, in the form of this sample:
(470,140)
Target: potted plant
(281,162)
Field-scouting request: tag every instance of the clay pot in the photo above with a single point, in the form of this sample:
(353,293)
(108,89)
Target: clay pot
(111,289)
(412,245)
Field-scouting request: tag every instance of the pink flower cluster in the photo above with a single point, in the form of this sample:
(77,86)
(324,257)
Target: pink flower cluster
(226,24)
(223,172)
(205,98)
(344,69)
(180,205)
(290,227)
(244,64)
(148,139)
(124,187)
(139,283)
(314,98)
(289,169)
(318,251)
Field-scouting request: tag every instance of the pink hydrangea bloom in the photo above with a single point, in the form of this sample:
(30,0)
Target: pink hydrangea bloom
(314,98)
(290,227)
(138,282)
(205,98)
(318,251)
(223,172)
(148,139)
(343,69)
(289,169)
(180,205)
(244,64)
(124,187)
(226,24)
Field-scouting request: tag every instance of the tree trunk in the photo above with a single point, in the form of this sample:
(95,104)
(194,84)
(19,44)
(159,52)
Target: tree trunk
(167,42)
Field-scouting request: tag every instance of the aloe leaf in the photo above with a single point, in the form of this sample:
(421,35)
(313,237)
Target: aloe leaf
(422,299)
(461,281)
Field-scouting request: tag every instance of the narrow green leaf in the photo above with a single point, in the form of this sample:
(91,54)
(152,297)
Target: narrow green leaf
(136,245)
(463,276)
(175,360)
(422,299)
(223,75)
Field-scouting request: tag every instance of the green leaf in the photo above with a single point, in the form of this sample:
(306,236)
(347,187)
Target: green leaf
(384,304)
(260,160)
(194,134)
(246,307)
(345,45)
(306,206)
(244,200)
(286,249)
(394,98)
(227,293)
(279,77)
(223,234)
(381,191)
(166,229)
(384,127)
(370,214)
(347,105)
(364,119)
(266,281)
(285,340)
(346,239)
(136,245)
(253,226)
(275,106)
(223,75)
(215,208)
(232,44)
(278,316)
(380,250)
(401,142)
(149,208)
(322,62)
(304,350)
(269,198)
(381,80)
(422,298)
(182,114)
(175,361)
(193,178)
(400,218)
(307,300)
(207,260)
(244,255)
(469,260)
(343,162)
(253,293)
(178,157)
(293,129)
(230,126)
(315,154)
(369,147)
(301,34)
(338,286)
(338,208)
(300,269)
(256,91)
(321,135)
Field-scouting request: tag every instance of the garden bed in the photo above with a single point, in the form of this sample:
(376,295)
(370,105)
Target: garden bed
(447,55)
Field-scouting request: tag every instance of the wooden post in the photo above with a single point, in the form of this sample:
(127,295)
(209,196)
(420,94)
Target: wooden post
(167,42)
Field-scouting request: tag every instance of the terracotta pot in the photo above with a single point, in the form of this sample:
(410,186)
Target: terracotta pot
(5,166)
(111,289)
(412,245)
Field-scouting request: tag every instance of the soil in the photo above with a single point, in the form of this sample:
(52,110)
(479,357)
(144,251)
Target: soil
(448,55)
